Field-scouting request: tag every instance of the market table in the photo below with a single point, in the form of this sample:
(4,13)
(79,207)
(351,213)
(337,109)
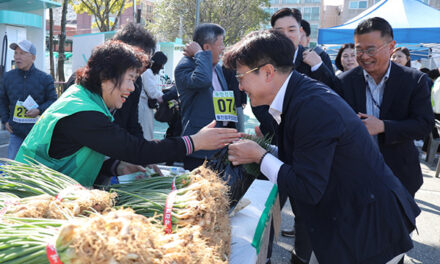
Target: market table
(250,227)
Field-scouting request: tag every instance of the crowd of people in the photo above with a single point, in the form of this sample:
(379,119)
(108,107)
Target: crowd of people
(343,143)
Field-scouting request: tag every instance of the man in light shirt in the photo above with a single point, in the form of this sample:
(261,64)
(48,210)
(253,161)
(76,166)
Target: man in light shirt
(354,209)
(198,76)
(393,101)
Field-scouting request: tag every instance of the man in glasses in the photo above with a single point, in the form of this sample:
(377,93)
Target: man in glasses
(203,91)
(392,101)
(354,209)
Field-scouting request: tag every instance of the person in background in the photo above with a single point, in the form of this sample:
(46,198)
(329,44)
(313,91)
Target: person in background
(354,209)
(25,93)
(346,58)
(152,90)
(316,66)
(393,101)
(434,74)
(198,78)
(77,132)
(305,41)
(401,56)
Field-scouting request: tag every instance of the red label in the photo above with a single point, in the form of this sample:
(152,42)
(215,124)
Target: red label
(52,254)
(173,184)
(66,191)
(168,210)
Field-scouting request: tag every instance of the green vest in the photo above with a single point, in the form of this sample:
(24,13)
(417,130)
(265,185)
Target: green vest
(83,165)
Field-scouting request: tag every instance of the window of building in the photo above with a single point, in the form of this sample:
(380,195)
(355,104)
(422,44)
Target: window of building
(312,1)
(314,31)
(358,4)
(377,1)
(292,1)
(426,1)
(311,13)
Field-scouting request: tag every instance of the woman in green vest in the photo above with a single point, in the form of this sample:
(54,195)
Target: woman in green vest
(76,133)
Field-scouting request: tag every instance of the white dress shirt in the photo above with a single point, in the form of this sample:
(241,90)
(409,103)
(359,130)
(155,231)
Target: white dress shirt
(270,165)
(374,95)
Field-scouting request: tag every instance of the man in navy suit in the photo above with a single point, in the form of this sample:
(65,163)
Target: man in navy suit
(393,101)
(319,67)
(354,209)
(198,75)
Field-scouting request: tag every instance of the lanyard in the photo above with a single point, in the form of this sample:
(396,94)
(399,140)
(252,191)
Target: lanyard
(372,97)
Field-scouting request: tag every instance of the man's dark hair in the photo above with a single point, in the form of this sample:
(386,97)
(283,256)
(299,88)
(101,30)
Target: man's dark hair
(259,48)
(159,59)
(306,27)
(284,12)
(434,74)
(375,24)
(424,70)
(207,33)
(109,61)
(339,56)
(136,35)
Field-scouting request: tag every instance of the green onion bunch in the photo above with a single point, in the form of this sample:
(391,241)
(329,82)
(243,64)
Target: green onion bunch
(24,240)
(32,179)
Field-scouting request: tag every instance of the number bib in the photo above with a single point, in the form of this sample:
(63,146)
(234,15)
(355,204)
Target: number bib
(224,106)
(20,114)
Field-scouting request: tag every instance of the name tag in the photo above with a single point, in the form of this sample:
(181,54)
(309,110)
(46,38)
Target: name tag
(20,114)
(224,106)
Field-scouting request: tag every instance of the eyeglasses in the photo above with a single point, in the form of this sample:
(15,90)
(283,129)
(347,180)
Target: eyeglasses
(241,75)
(370,51)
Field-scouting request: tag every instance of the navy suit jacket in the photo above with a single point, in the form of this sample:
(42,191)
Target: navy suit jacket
(407,113)
(194,85)
(355,209)
(324,73)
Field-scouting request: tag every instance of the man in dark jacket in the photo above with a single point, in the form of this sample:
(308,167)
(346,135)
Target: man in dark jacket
(25,93)
(393,101)
(313,63)
(354,209)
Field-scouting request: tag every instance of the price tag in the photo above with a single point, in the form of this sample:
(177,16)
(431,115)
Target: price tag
(20,114)
(167,213)
(52,254)
(224,106)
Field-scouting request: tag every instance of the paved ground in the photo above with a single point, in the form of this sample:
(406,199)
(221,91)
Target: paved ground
(426,242)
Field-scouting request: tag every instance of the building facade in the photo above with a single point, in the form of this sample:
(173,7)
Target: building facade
(311,11)
(337,15)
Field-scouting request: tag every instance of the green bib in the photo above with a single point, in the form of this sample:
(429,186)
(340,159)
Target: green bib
(83,165)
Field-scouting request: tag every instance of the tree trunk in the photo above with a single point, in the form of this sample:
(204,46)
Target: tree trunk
(62,39)
(52,70)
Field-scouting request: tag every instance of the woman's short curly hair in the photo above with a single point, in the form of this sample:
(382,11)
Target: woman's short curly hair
(109,61)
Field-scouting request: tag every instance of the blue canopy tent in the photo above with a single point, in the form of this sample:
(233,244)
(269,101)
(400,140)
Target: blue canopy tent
(412,21)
